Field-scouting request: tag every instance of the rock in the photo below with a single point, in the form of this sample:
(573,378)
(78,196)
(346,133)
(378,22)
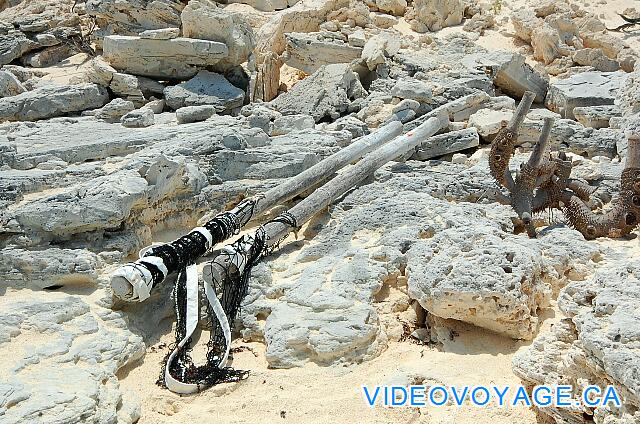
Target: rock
(378,47)
(52,100)
(10,85)
(114,110)
(36,270)
(406,104)
(595,58)
(566,134)
(350,123)
(267,5)
(438,14)
(612,46)
(129,18)
(594,345)
(382,20)
(203,19)
(177,58)
(510,73)
(412,89)
(524,23)
(326,93)
(447,143)
(134,88)
(357,38)
(584,89)
(161,34)
(206,88)
(596,116)
(479,22)
(14,45)
(138,118)
(157,106)
(84,348)
(395,7)
(490,279)
(189,114)
(48,57)
(288,123)
(308,53)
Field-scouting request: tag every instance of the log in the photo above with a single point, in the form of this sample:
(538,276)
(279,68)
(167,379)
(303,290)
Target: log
(275,231)
(134,281)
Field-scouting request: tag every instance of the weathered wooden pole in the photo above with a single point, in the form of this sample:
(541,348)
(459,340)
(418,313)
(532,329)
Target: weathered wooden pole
(134,281)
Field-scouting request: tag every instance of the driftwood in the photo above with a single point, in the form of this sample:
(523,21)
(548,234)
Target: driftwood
(134,281)
(322,197)
(623,217)
(226,276)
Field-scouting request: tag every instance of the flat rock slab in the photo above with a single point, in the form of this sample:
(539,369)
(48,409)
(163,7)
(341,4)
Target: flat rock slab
(596,116)
(308,52)
(206,88)
(179,58)
(68,371)
(510,73)
(451,142)
(51,101)
(584,89)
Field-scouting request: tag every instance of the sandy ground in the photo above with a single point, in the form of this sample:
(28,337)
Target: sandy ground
(315,394)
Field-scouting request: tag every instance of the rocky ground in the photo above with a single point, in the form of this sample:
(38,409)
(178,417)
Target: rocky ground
(128,122)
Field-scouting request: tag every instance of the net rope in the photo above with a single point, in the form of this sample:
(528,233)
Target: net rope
(231,271)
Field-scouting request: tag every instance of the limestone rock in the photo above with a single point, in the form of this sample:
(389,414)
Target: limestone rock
(451,142)
(203,19)
(161,34)
(438,14)
(479,22)
(48,57)
(379,47)
(189,114)
(114,110)
(490,279)
(79,347)
(308,52)
(10,85)
(288,123)
(413,89)
(524,23)
(595,345)
(175,58)
(138,118)
(206,88)
(52,100)
(13,45)
(49,267)
(595,58)
(328,92)
(395,7)
(129,18)
(584,89)
(596,116)
(510,73)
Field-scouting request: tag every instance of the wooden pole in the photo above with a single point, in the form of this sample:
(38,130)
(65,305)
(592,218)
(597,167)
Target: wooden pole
(215,270)
(133,281)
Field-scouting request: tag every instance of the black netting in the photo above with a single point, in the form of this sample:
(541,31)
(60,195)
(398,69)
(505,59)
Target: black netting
(230,272)
(188,248)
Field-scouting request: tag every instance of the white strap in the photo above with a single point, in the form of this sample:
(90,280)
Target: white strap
(191,322)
